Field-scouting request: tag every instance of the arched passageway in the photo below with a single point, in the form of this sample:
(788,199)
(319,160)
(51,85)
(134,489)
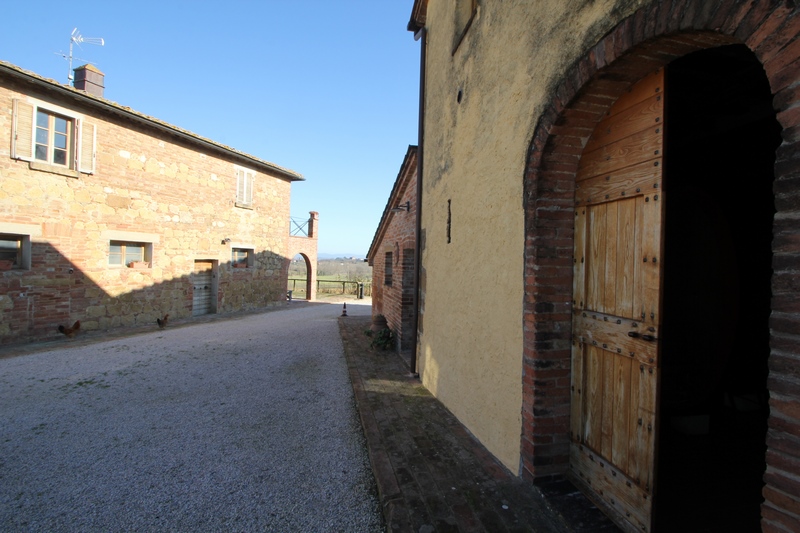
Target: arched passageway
(709,161)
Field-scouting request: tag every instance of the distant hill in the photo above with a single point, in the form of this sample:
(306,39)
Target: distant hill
(339,256)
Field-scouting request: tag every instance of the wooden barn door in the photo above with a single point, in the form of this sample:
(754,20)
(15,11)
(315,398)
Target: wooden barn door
(616,319)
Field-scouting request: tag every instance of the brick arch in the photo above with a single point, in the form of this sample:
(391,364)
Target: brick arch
(650,38)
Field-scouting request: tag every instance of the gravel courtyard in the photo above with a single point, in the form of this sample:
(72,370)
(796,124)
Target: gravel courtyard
(242,424)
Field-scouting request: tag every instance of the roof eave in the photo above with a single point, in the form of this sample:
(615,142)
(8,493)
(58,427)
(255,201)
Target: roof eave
(113,108)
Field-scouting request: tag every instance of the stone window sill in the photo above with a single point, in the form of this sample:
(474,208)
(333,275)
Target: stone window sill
(53,169)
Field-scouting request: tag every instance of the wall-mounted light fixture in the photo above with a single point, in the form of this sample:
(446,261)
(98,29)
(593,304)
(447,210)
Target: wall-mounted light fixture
(402,207)
(226,240)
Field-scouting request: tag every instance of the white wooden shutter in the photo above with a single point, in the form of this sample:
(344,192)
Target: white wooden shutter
(22,134)
(244,186)
(85,153)
(240,183)
(248,194)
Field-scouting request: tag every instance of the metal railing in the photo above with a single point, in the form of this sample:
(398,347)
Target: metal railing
(298,227)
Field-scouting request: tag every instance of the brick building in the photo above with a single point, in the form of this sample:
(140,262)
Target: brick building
(609,248)
(391,255)
(115,218)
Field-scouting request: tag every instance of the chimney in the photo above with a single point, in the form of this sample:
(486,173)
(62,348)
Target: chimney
(89,79)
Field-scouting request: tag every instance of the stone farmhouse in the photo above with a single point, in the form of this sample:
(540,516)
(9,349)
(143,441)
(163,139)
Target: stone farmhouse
(115,218)
(609,227)
(391,256)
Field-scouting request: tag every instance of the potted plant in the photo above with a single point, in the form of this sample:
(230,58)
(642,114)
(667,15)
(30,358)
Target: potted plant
(6,264)
(139,264)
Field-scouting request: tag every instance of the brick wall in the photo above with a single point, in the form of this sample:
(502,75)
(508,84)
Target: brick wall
(152,187)
(307,247)
(396,301)
(653,36)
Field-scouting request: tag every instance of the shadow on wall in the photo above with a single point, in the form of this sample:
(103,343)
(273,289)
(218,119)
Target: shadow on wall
(53,292)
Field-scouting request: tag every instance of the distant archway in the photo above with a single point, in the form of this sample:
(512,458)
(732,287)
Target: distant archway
(300,277)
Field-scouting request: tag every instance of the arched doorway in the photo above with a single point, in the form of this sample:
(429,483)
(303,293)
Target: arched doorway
(623,57)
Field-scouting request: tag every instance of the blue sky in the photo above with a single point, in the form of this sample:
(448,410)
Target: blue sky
(326,88)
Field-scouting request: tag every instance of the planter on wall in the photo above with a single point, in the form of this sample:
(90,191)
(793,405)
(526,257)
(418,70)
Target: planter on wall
(139,264)
(6,264)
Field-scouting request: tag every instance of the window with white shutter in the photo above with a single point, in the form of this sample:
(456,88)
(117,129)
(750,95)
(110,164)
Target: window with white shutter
(52,138)
(244,187)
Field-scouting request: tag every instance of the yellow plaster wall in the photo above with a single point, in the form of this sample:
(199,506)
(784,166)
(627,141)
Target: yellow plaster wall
(470,351)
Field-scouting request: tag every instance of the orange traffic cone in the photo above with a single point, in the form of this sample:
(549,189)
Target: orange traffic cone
(344,309)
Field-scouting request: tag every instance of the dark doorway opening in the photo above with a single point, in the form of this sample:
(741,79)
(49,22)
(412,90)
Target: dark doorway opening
(720,154)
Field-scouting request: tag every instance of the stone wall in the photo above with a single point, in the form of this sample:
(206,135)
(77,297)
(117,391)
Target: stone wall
(148,187)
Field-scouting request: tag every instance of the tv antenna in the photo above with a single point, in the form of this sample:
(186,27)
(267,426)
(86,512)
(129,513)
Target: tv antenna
(76,38)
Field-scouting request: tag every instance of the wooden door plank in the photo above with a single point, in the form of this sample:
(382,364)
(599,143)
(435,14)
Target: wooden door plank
(603,330)
(645,427)
(628,182)
(646,114)
(579,260)
(649,86)
(641,146)
(607,401)
(620,450)
(593,398)
(626,260)
(652,256)
(638,262)
(611,489)
(576,390)
(595,267)
(610,266)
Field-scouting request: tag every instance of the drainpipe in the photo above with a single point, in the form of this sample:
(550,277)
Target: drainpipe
(422,36)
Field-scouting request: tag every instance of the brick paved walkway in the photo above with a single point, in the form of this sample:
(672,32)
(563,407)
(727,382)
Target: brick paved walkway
(432,474)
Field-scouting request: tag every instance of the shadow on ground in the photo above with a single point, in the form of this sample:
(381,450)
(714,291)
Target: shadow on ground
(432,474)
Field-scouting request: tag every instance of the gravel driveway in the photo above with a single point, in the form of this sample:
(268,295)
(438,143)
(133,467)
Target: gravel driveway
(245,424)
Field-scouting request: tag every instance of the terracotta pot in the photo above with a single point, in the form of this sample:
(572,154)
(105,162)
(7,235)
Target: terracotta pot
(6,264)
(378,323)
(139,264)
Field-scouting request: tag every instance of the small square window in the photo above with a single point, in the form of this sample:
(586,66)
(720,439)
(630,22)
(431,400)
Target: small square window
(242,258)
(11,251)
(130,254)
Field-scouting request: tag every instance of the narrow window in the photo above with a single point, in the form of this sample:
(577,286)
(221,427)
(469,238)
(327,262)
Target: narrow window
(53,138)
(129,254)
(387,269)
(244,187)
